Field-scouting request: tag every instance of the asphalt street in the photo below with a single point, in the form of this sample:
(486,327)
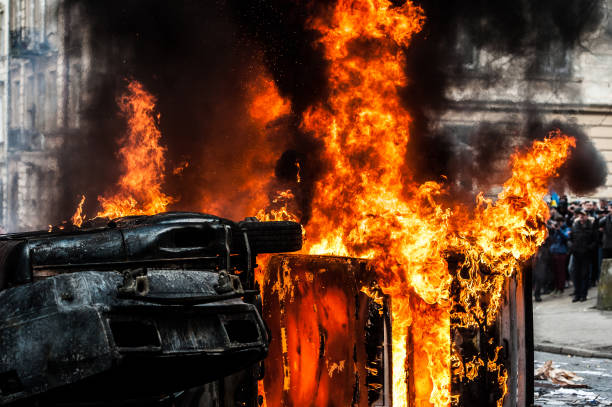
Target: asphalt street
(597,374)
(575,333)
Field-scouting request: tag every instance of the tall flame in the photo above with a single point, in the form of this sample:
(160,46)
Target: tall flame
(78,217)
(265,103)
(139,190)
(237,187)
(366,207)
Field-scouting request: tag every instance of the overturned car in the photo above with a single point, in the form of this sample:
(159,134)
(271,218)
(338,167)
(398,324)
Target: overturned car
(136,309)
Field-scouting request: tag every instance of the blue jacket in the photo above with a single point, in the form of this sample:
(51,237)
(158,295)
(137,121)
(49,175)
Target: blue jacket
(558,240)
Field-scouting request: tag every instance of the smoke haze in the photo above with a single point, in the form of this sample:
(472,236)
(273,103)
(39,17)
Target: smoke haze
(200,58)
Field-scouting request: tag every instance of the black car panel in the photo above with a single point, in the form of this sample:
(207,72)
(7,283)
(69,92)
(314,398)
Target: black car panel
(134,308)
(74,326)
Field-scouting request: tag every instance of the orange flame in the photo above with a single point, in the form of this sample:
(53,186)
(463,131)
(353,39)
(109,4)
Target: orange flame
(78,217)
(362,208)
(181,167)
(279,208)
(237,187)
(142,160)
(266,105)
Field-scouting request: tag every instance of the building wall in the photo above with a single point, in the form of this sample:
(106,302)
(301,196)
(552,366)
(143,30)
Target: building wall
(45,80)
(574,86)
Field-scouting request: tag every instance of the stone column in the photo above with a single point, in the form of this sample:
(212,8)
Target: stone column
(604,288)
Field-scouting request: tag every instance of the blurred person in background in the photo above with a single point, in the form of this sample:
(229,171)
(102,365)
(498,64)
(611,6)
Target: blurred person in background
(589,209)
(562,205)
(592,212)
(605,226)
(600,226)
(559,252)
(582,241)
(570,217)
(554,213)
(541,270)
(571,210)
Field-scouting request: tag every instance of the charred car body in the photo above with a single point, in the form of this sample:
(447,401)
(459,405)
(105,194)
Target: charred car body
(137,309)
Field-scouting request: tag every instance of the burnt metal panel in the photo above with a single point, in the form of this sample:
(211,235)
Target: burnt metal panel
(516,332)
(71,337)
(507,342)
(178,239)
(15,264)
(96,246)
(329,338)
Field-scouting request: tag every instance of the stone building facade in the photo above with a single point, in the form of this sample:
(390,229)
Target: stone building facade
(41,82)
(570,85)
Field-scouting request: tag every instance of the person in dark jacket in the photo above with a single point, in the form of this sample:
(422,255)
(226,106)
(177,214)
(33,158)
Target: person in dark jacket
(582,243)
(541,266)
(559,235)
(605,225)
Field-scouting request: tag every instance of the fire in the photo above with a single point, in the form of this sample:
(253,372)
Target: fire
(236,186)
(428,255)
(266,105)
(78,217)
(366,207)
(181,167)
(142,159)
(279,208)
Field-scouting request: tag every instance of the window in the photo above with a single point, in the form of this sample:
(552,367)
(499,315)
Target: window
(552,61)
(2,31)
(30,103)
(74,95)
(21,15)
(2,117)
(37,21)
(51,102)
(16,104)
(466,52)
(40,101)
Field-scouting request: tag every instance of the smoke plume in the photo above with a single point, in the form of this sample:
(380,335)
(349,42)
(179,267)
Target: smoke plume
(528,35)
(200,58)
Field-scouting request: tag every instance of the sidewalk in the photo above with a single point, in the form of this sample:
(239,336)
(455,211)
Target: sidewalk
(578,329)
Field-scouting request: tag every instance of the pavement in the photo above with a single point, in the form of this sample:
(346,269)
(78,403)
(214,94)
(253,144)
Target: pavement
(578,329)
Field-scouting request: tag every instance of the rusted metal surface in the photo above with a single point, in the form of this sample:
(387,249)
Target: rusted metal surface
(516,333)
(315,310)
(328,343)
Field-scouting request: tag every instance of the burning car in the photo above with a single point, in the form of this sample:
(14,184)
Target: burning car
(133,309)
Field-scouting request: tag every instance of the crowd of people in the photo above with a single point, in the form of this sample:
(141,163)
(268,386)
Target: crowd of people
(579,237)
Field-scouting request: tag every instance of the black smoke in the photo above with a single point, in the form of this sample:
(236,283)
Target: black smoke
(586,169)
(198,57)
(467,159)
(530,34)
